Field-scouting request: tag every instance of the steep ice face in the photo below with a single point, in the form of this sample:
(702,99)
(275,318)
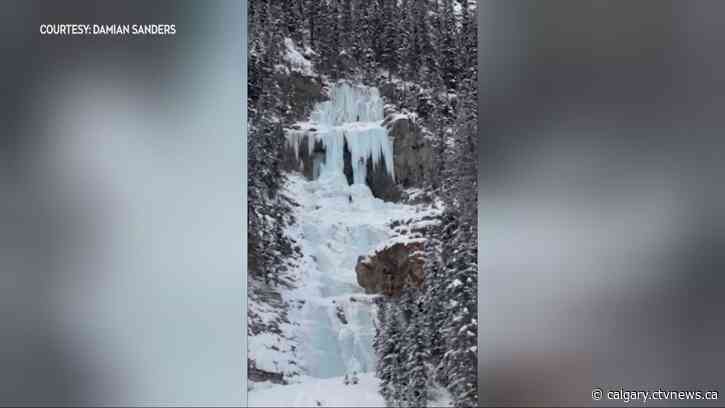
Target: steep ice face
(352,116)
(336,223)
(349,103)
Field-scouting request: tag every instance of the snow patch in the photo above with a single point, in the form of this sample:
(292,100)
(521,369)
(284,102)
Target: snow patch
(330,392)
(296,60)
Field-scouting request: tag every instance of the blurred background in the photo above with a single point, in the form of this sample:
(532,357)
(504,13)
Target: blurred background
(121,206)
(601,229)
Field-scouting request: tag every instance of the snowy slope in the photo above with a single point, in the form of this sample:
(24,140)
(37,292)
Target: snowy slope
(329,392)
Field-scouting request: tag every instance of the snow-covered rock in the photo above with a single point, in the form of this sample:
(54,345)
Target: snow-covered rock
(397,262)
(295,59)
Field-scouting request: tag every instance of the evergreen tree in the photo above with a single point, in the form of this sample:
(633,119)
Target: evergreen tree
(416,350)
(387,346)
(447,47)
(391,43)
(459,252)
(313,18)
(427,39)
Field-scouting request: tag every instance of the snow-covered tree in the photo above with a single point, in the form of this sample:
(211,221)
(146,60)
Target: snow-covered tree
(416,349)
(447,52)
(388,347)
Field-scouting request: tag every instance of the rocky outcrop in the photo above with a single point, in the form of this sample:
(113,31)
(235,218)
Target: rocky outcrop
(340,313)
(304,91)
(258,375)
(398,264)
(392,268)
(381,183)
(305,163)
(412,151)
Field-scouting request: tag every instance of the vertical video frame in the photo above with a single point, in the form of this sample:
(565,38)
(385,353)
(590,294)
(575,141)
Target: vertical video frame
(362,203)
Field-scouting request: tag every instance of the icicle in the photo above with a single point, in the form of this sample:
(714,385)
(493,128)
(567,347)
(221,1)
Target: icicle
(352,114)
(366,141)
(294,139)
(333,140)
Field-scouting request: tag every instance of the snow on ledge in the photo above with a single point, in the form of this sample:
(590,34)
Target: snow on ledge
(296,60)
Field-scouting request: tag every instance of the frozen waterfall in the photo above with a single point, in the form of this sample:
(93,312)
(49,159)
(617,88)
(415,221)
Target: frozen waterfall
(337,223)
(353,115)
(333,318)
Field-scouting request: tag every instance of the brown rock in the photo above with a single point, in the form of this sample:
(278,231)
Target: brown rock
(391,269)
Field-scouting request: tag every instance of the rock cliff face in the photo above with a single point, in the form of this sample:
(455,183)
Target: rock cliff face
(258,375)
(381,184)
(304,91)
(303,161)
(391,269)
(412,151)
